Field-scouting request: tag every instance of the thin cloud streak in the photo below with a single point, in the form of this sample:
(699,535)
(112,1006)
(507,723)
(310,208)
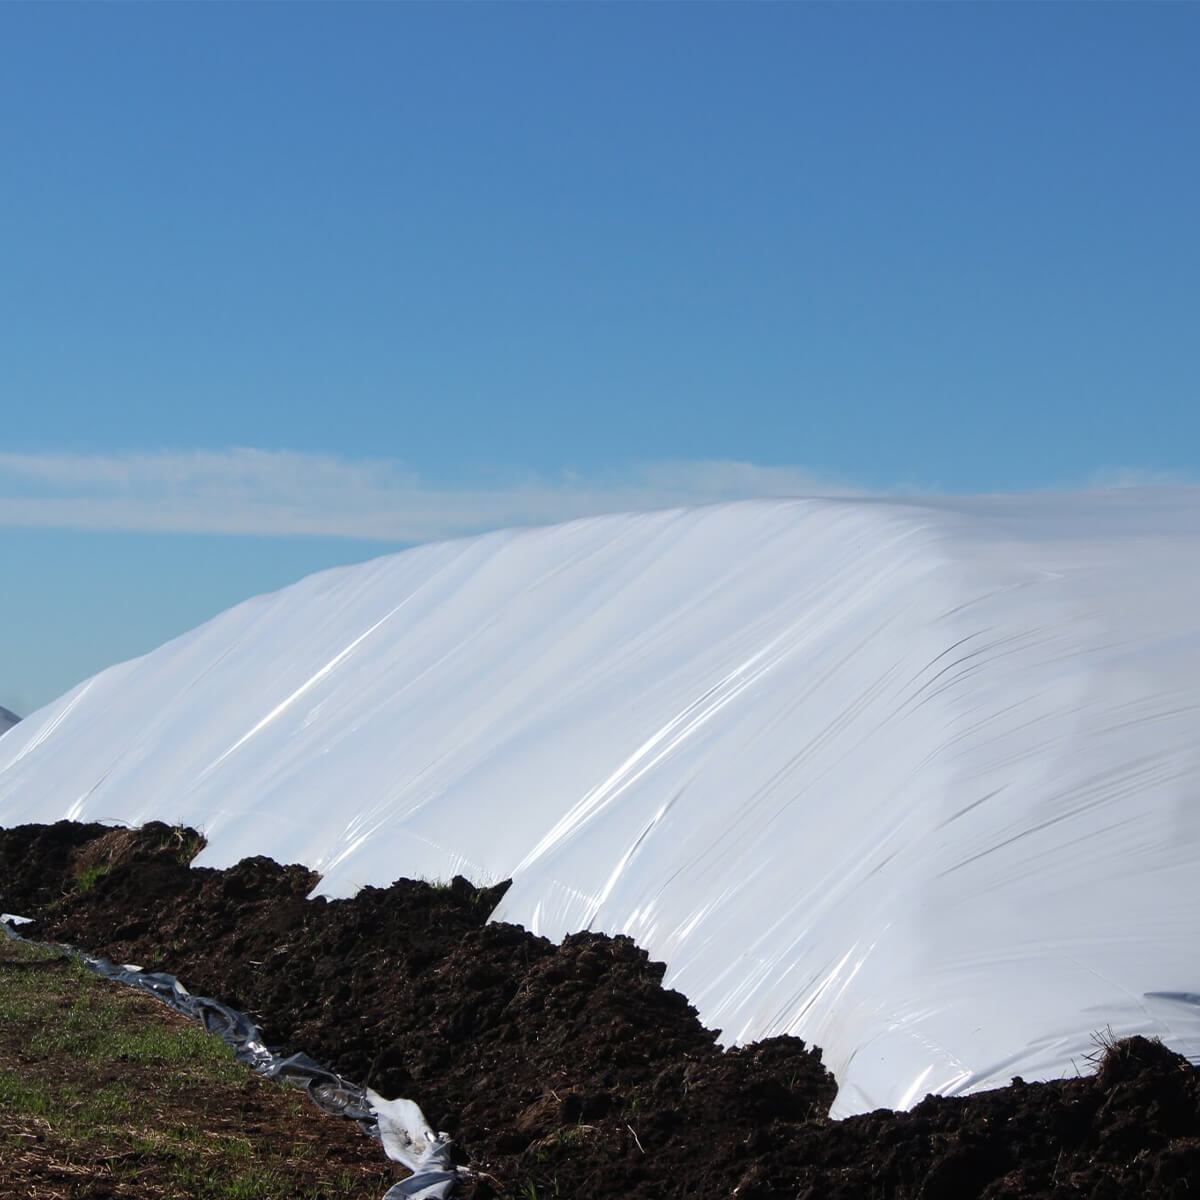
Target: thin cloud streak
(1135,477)
(283,492)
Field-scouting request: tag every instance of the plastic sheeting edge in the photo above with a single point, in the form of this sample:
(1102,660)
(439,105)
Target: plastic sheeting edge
(399,1124)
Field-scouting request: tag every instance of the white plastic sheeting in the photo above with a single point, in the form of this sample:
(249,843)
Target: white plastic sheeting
(918,782)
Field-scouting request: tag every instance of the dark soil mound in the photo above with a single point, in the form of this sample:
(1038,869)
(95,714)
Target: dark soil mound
(36,863)
(568,1070)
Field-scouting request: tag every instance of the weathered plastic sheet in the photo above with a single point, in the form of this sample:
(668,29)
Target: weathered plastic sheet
(918,782)
(398,1124)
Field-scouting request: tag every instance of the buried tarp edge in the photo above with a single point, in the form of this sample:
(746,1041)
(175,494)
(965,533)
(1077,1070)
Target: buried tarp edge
(398,1124)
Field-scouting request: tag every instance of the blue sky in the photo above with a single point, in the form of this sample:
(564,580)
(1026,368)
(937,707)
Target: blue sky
(286,286)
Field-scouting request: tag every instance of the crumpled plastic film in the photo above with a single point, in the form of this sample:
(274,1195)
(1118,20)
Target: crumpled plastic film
(408,1139)
(398,1124)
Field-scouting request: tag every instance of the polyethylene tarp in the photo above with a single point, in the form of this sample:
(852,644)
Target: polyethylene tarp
(917,782)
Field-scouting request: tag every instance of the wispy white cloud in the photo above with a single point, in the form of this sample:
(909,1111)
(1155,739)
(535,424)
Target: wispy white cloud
(285,492)
(1137,477)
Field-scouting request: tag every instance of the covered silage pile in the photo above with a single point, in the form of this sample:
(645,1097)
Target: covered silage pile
(917,783)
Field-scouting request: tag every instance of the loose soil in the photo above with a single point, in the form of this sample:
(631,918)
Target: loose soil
(568,1070)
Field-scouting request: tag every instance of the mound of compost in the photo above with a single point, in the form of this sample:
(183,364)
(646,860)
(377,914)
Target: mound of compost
(569,1070)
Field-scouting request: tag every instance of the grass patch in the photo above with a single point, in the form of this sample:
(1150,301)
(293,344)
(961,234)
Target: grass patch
(89,875)
(104,1091)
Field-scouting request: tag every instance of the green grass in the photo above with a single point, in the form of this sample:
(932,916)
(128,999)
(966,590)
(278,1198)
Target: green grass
(89,875)
(100,1082)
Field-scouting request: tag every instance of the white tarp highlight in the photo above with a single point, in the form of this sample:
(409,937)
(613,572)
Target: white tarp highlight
(918,782)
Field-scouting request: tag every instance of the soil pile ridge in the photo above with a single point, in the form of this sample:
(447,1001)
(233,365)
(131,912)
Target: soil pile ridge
(568,1070)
